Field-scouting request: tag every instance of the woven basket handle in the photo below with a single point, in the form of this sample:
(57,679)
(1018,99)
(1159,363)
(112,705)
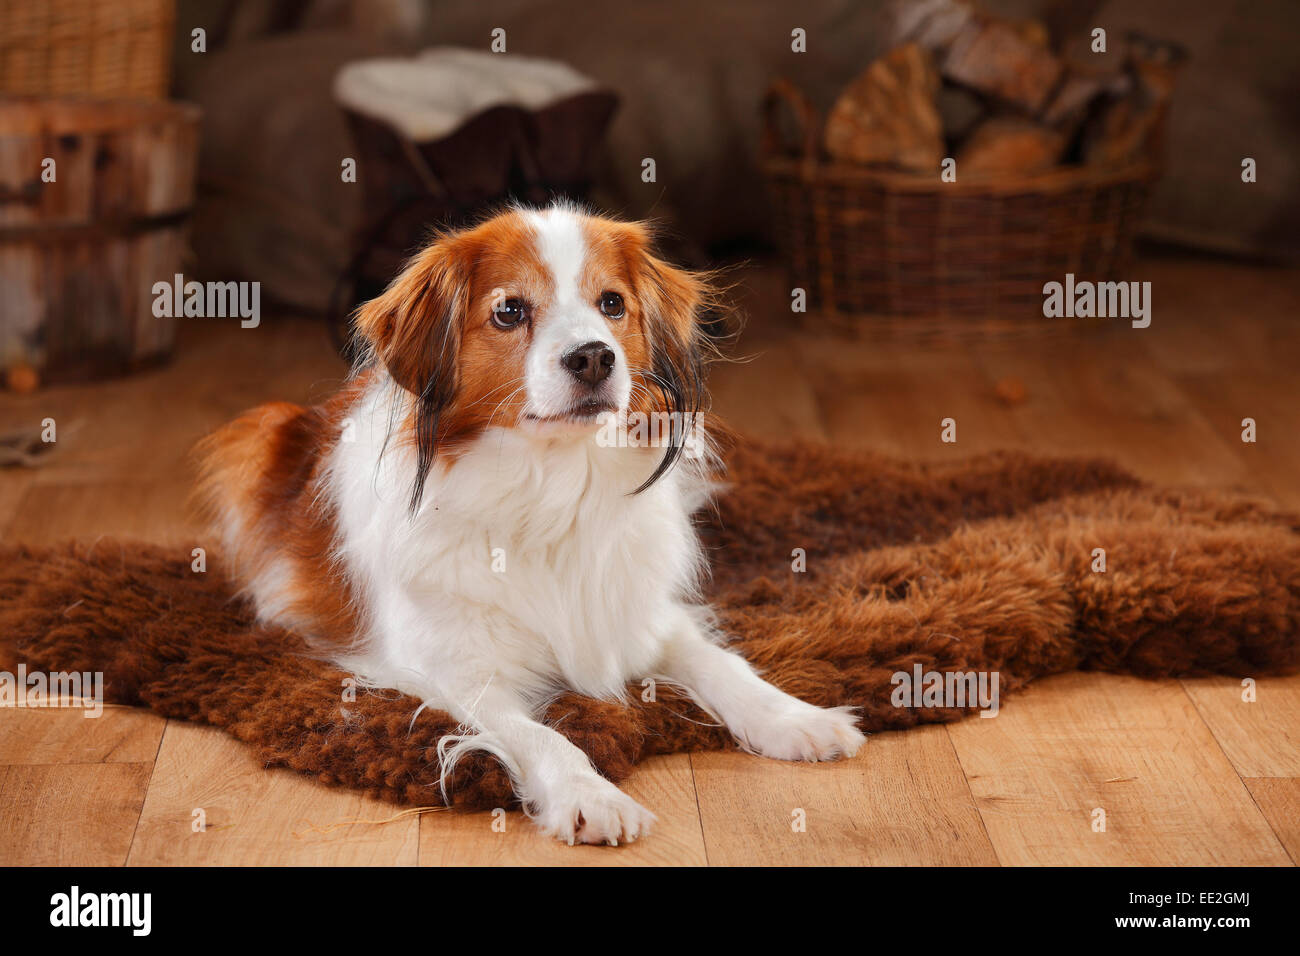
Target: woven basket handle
(781,92)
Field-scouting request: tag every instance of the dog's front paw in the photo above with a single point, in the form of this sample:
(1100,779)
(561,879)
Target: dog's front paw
(590,809)
(795,730)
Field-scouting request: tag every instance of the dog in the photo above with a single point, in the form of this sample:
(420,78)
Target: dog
(457,523)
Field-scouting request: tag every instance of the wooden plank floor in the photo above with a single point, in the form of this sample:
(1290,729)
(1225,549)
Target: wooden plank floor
(1185,772)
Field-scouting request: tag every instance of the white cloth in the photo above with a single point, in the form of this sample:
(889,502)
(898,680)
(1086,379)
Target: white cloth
(429,96)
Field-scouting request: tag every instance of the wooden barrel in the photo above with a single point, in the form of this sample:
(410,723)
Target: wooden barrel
(79,255)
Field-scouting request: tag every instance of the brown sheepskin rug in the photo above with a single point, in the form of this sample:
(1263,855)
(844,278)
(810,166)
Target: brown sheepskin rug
(983,565)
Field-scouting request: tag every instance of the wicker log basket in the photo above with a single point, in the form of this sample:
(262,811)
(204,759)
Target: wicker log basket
(885,251)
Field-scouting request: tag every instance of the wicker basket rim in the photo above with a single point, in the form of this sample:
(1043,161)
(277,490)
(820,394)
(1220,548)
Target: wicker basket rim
(1057,180)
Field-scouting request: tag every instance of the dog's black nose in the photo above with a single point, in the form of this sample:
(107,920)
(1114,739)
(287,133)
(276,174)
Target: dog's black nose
(590,363)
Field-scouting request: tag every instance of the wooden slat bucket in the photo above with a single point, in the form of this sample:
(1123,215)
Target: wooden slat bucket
(94,201)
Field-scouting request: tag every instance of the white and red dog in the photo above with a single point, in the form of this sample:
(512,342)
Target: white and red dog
(451,525)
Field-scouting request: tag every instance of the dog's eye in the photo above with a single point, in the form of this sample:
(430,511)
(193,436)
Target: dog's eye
(611,303)
(509,313)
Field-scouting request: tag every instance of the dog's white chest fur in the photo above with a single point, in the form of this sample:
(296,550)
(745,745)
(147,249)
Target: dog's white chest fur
(529,561)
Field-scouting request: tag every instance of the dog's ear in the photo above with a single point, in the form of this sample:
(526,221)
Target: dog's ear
(673,300)
(414,329)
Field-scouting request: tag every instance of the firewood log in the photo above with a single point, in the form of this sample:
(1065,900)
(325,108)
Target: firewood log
(1004,60)
(931,24)
(1079,91)
(1004,145)
(888,114)
(1132,126)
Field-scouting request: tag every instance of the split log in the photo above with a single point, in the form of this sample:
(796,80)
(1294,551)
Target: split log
(1004,60)
(1079,92)
(1131,128)
(1009,145)
(931,24)
(888,114)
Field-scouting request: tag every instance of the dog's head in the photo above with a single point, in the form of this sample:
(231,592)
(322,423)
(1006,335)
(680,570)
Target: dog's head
(548,320)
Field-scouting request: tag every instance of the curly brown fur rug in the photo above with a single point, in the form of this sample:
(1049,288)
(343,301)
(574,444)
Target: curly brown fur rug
(983,565)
